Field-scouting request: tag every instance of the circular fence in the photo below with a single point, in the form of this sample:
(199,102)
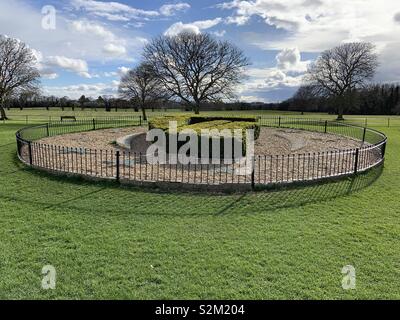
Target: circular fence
(259,171)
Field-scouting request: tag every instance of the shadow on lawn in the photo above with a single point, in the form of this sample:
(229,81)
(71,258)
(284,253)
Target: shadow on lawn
(295,196)
(219,204)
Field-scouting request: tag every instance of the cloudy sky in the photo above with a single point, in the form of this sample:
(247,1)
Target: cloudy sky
(94,42)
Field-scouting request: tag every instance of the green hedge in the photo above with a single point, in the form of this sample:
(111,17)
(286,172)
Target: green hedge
(163,122)
(198,123)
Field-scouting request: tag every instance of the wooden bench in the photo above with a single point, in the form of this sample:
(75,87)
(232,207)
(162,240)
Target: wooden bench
(70,118)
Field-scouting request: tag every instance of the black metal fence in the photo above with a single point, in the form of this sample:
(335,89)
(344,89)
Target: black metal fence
(265,170)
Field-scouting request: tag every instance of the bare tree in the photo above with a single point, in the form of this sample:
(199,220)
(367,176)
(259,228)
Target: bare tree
(341,70)
(142,85)
(18,72)
(108,100)
(306,98)
(195,67)
(82,100)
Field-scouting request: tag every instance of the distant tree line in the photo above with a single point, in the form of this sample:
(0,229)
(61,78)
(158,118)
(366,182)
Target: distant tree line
(102,103)
(372,99)
(107,103)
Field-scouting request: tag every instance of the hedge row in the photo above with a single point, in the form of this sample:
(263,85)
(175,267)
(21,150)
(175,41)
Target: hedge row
(198,123)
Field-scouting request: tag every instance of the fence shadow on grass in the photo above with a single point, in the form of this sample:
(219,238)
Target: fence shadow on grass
(249,203)
(295,196)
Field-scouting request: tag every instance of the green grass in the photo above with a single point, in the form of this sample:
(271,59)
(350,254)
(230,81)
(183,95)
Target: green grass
(107,241)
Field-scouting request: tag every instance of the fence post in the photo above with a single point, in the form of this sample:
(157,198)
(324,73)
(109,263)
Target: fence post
(253,169)
(47,130)
(140,121)
(94,124)
(279,122)
(365,131)
(117,157)
(383,150)
(326,125)
(30,153)
(356,161)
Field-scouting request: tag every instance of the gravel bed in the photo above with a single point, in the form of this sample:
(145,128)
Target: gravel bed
(272,141)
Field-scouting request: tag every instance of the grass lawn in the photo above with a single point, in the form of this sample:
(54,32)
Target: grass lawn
(107,241)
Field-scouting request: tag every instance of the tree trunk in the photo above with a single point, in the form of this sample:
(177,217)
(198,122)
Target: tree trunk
(144,112)
(3,115)
(197,108)
(340,108)
(340,114)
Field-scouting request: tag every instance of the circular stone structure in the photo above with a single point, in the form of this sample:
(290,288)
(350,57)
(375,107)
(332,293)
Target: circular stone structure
(272,141)
(287,150)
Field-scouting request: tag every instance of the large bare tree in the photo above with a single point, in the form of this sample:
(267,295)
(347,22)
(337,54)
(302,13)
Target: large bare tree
(142,85)
(18,72)
(341,70)
(195,67)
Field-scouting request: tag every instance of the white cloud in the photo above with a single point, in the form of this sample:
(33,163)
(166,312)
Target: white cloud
(92,28)
(290,60)
(180,27)
(47,73)
(113,10)
(114,46)
(50,76)
(116,11)
(172,9)
(113,17)
(110,74)
(194,27)
(114,50)
(288,73)
(115,83)
(238,20)
(86,75)
(265,79)
(141,40)
(123,70)
(83,38)
(119,73)
(317,25)
(78,66)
